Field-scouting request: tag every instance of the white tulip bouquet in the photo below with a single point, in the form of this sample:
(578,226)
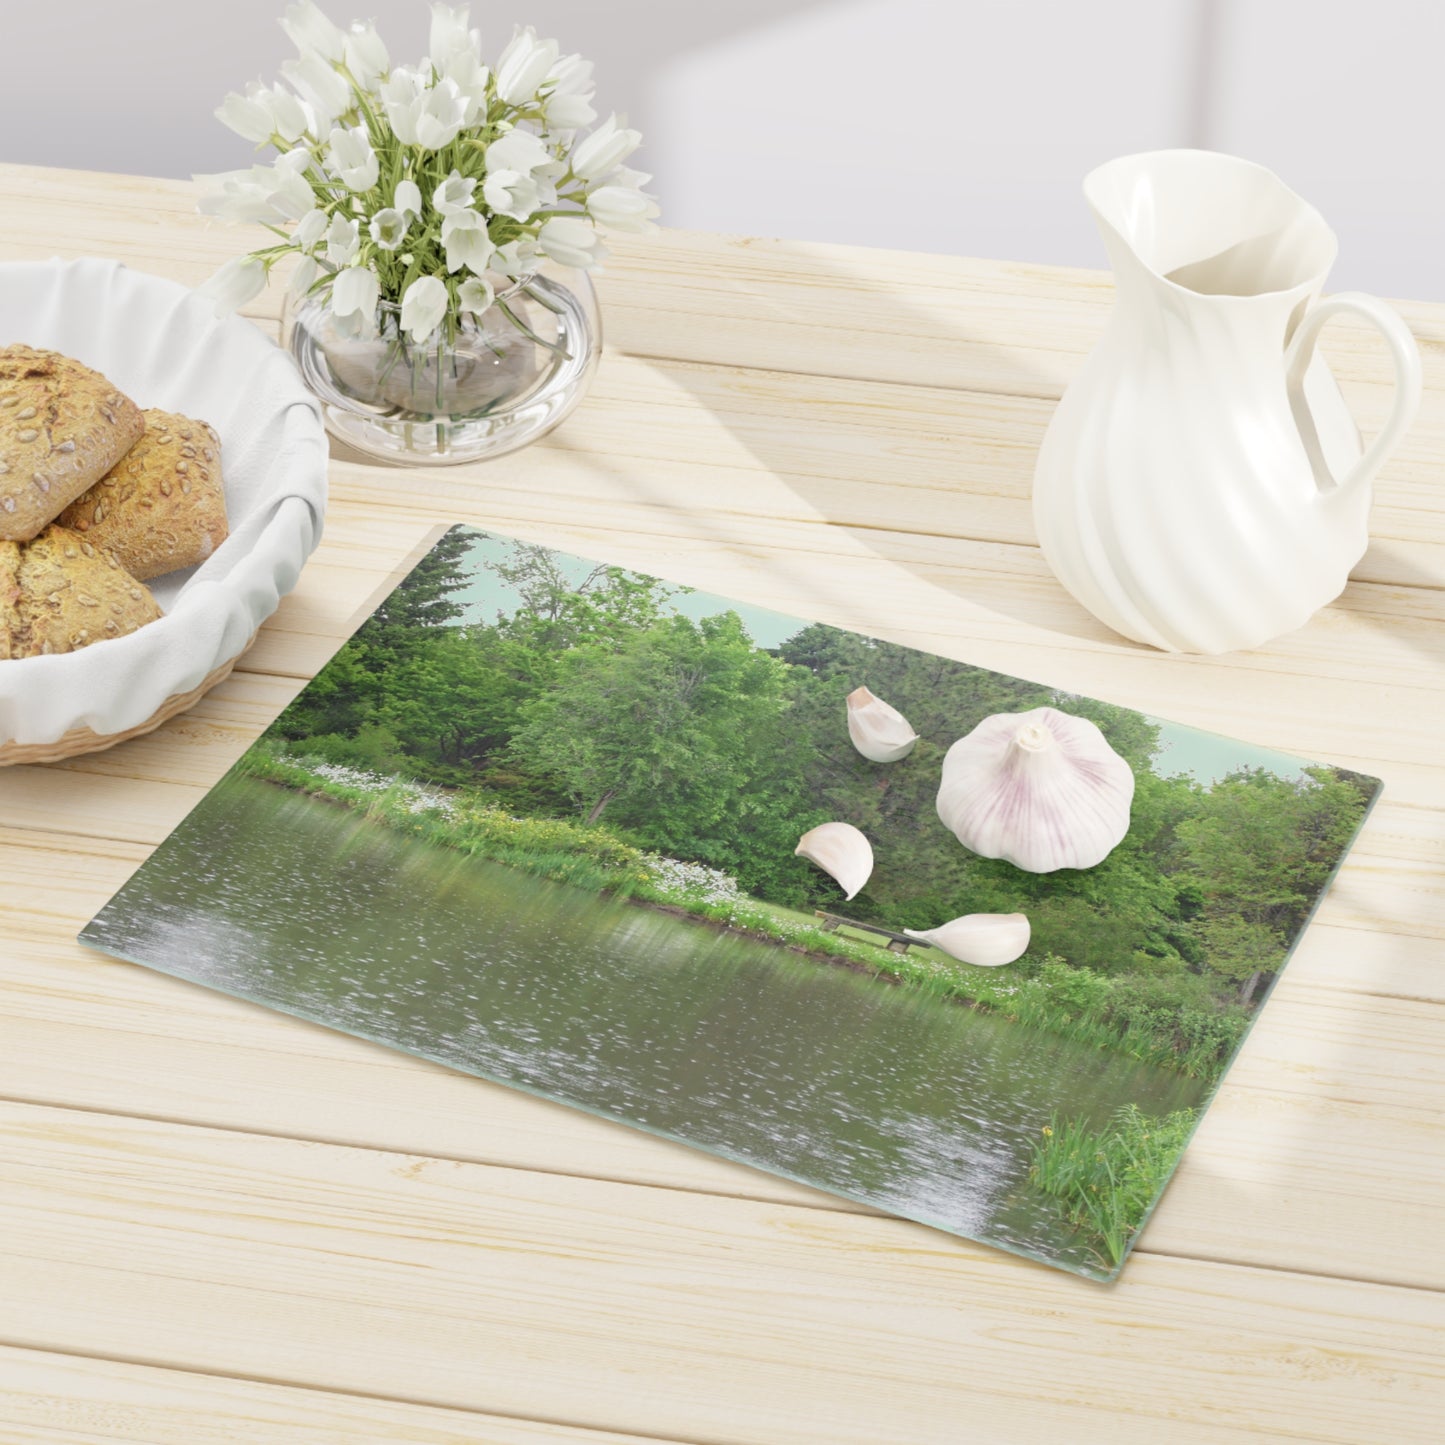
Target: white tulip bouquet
(438,187)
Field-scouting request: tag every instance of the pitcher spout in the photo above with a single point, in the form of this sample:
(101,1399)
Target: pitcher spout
(1210,225)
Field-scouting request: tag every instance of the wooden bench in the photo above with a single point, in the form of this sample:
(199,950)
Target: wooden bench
(897,942)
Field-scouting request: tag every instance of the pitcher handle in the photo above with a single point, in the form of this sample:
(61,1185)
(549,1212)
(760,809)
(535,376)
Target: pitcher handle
(1403,352)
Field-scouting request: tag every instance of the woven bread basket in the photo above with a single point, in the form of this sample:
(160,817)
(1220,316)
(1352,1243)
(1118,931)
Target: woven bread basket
(164,347)
(84,740)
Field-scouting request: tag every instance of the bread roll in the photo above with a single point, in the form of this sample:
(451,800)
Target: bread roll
(162,506)
(62,427)
(60,592)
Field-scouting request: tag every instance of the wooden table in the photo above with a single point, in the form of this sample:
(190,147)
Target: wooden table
(219,1224)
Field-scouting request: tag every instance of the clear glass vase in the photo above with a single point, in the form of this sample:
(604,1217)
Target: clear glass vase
(489,387)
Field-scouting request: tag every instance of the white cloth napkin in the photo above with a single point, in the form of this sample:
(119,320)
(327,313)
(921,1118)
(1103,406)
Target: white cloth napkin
(163,346)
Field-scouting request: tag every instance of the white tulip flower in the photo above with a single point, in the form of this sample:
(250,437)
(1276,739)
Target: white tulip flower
(407,198)
(570,240)
(352,158)
(354,292)
(524,65)
(261,193)
(342,239)
(321,85)
(568,104)
(289,117)
(304,276)
(509,193)
(237,195)
(454,194)
(240,280)
(625,176)
(620,208)
(518,150)
(449,37)
(365,53)
(465,239)
(442,113)
(311,229)
(423,307)
(607,147)
(516,258)
(476,295)
(401,95)
(388,227)
(309,30)
(246,116)
(466,71)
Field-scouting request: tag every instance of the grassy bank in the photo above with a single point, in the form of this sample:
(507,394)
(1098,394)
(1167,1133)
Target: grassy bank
(1127,1015)
(1106,1179)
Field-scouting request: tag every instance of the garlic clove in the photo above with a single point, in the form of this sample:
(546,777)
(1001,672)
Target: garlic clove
(1042,789)
(986,940)
(880,732)
(841,850)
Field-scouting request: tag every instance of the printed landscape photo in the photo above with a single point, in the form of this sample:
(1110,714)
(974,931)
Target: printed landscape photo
(537,820)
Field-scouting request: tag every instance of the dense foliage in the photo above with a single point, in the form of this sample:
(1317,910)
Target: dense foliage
(595,701)
(1106,1180)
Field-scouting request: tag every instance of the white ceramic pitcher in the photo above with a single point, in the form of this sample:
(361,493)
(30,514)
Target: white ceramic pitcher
(1202,486)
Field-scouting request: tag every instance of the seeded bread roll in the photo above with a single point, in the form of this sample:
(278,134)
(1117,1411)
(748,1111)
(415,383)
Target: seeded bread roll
(60,592)
(62,427)
(162,506)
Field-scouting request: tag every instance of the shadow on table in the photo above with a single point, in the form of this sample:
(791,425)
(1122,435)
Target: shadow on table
(902,452)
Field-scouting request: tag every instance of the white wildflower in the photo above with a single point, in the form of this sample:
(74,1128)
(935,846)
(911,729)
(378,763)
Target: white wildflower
(366,55)
(620,208)
(311,228)
(607,146)
(569,240)
(388,227)
(438,115)
(354,295)
(423,307)
(304,276)
(319,83)
(308,29)
(464,236)
(263,112)
(342,239)
(240,280)
(524,65)
(407,199)
(568,103)
(352,159)
(476,295)
(454,194)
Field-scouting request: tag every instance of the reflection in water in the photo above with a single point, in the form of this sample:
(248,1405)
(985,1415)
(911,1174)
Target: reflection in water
(919,1107)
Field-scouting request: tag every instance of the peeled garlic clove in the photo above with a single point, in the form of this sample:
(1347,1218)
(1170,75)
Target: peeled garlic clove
(984,939)
(841,850)
(1042,789)
(880,732)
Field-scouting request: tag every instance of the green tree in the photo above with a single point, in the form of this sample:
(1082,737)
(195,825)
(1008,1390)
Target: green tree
(1260,852)
(661,731)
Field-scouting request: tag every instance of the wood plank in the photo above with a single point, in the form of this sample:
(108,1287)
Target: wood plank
(997,326)
(653,281)
(1335,1110)
(53,1399)
(463,1286)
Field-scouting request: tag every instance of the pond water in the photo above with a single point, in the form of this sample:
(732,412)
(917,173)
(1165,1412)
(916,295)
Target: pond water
(917,1106)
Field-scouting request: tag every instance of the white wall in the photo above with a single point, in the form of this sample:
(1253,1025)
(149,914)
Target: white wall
(959,126)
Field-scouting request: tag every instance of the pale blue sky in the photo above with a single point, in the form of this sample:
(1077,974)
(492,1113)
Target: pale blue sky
(1204,756)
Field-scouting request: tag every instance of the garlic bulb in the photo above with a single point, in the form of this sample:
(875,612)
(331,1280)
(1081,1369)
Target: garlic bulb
(880,732)
(984,939)
(1042,789)
(839,849)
